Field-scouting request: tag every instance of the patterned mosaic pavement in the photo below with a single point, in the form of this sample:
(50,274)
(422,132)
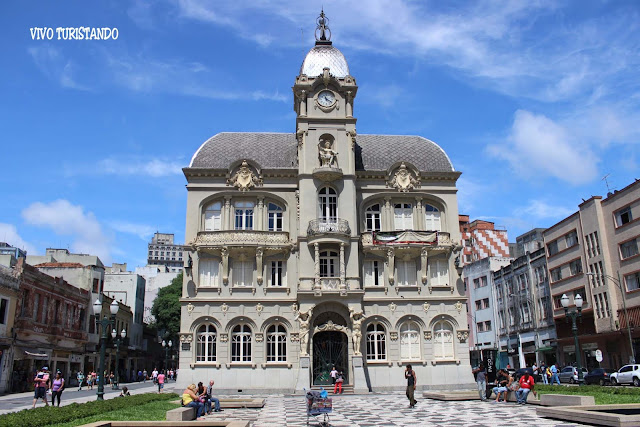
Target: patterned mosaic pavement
(391,410)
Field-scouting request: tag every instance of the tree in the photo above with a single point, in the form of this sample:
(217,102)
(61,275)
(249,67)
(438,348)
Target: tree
(166,307)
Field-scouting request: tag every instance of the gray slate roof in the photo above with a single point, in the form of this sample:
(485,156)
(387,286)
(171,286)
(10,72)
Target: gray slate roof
(279,151)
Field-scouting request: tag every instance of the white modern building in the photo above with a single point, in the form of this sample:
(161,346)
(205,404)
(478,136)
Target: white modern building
(322,248)
(129,289)
(156,277)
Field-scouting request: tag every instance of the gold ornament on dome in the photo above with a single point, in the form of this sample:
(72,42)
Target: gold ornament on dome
(244,178)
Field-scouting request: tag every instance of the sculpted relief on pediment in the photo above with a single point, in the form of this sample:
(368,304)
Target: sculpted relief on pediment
(244,177)
(404,179)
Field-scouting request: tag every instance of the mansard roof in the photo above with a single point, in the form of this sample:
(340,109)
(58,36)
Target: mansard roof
(279,151)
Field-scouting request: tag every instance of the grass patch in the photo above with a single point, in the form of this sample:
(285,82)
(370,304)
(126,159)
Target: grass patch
(154,411)
(602,395)
(132,405)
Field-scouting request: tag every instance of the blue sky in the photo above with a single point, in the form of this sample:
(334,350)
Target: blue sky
(533,101)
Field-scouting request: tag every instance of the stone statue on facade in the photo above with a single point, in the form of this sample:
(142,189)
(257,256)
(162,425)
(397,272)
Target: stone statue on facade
(304,317)
(328,156)
(357,317)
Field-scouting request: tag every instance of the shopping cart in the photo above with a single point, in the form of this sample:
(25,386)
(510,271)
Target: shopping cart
(318,405)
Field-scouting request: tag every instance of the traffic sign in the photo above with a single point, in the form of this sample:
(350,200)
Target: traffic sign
(599,355)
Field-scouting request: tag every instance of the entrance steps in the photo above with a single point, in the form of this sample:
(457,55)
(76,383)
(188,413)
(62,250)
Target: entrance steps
(346,388)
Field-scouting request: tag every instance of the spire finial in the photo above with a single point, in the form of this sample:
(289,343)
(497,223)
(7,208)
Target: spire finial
(323,33)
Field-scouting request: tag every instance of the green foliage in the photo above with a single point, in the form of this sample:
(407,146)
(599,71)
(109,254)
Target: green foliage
(602,395)
(166,307)
(154,411)
(48,415)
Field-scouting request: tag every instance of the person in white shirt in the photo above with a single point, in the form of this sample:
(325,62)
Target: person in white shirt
(154,375)
(334,374)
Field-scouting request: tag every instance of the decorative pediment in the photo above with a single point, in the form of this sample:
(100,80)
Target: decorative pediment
(244,177)
(330,326)
(403,178)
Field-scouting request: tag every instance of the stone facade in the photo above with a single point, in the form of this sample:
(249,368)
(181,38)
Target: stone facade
(322,248)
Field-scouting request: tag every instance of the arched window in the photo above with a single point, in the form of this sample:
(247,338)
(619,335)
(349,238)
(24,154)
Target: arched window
(376,342)
(443,340)
(206,347)
(372,217)
(241,344)
(209,269)
(403,216)
(328,204)
(212,217)
(276,344)
(244,215)
(431,218)
(329,264)
(275,217)
(410,341)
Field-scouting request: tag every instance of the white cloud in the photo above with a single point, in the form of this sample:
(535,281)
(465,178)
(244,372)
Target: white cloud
(538,146)
(52,64)
(143,231)
(153,167)
(9,234)
(540,210)
(67,219)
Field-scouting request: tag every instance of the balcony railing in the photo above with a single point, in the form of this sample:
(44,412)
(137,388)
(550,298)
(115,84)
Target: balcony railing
(407,237)
(242,238)
(330,283)
(319,227)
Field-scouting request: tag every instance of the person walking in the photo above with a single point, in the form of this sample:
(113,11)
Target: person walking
(554,374)
(410,376)
(160,378)
(57,388)
(543,373)
(333,374)
(40,386)
(154,375)
(80,378)
(481,381)
(143,375)
(214,400)
(337,387)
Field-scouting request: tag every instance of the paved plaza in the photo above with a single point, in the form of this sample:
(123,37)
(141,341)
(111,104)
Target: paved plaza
(391,409)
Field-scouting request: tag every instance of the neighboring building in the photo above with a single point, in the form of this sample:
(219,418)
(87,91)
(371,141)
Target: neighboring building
(525,317)
(530,241)
(601,238)
(7,249)
(165,252)
(127,360)
(129,289)
(9,296)
(480,239)
(50,326)
(156,277)
(482,310)
(322,248)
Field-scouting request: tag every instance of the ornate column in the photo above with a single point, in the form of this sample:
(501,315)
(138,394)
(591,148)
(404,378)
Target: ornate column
(302,97)
(225,265)
(228,218)
(316,261)
(419,223)
(349,104)
(391,264)
(423,265)
(343,281)
(387,224)
(260,214)
(259,253)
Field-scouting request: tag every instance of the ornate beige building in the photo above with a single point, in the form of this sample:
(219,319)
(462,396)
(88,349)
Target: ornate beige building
(322,248)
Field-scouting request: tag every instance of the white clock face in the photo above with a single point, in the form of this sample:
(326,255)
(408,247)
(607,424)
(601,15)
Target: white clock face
(326,98)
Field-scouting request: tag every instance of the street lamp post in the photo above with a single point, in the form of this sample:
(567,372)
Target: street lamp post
(574,328)
(167,347)
(618,282)
(117,341)
(105,323)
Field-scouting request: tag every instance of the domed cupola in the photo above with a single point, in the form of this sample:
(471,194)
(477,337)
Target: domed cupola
(323,54)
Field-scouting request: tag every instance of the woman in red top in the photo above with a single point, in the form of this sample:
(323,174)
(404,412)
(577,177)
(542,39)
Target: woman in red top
(526,385)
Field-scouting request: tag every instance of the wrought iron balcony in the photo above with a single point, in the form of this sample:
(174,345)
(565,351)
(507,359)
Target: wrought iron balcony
(318,227)
(241,238)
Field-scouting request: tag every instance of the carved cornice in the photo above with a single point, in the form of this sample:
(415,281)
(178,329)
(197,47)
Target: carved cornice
(330,326)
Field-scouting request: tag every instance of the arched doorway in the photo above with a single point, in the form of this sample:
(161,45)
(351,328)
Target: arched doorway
(330,348)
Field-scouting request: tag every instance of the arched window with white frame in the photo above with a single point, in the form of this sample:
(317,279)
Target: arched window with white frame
(403,216)
(328,204)
(372,218)
(241,343)
(376,342)
(329,264)
(410,341)
(274,216)
(206,343)
(431,218)
(213,217)
(443,340)
(244,215)
(209,272)
(277,343)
